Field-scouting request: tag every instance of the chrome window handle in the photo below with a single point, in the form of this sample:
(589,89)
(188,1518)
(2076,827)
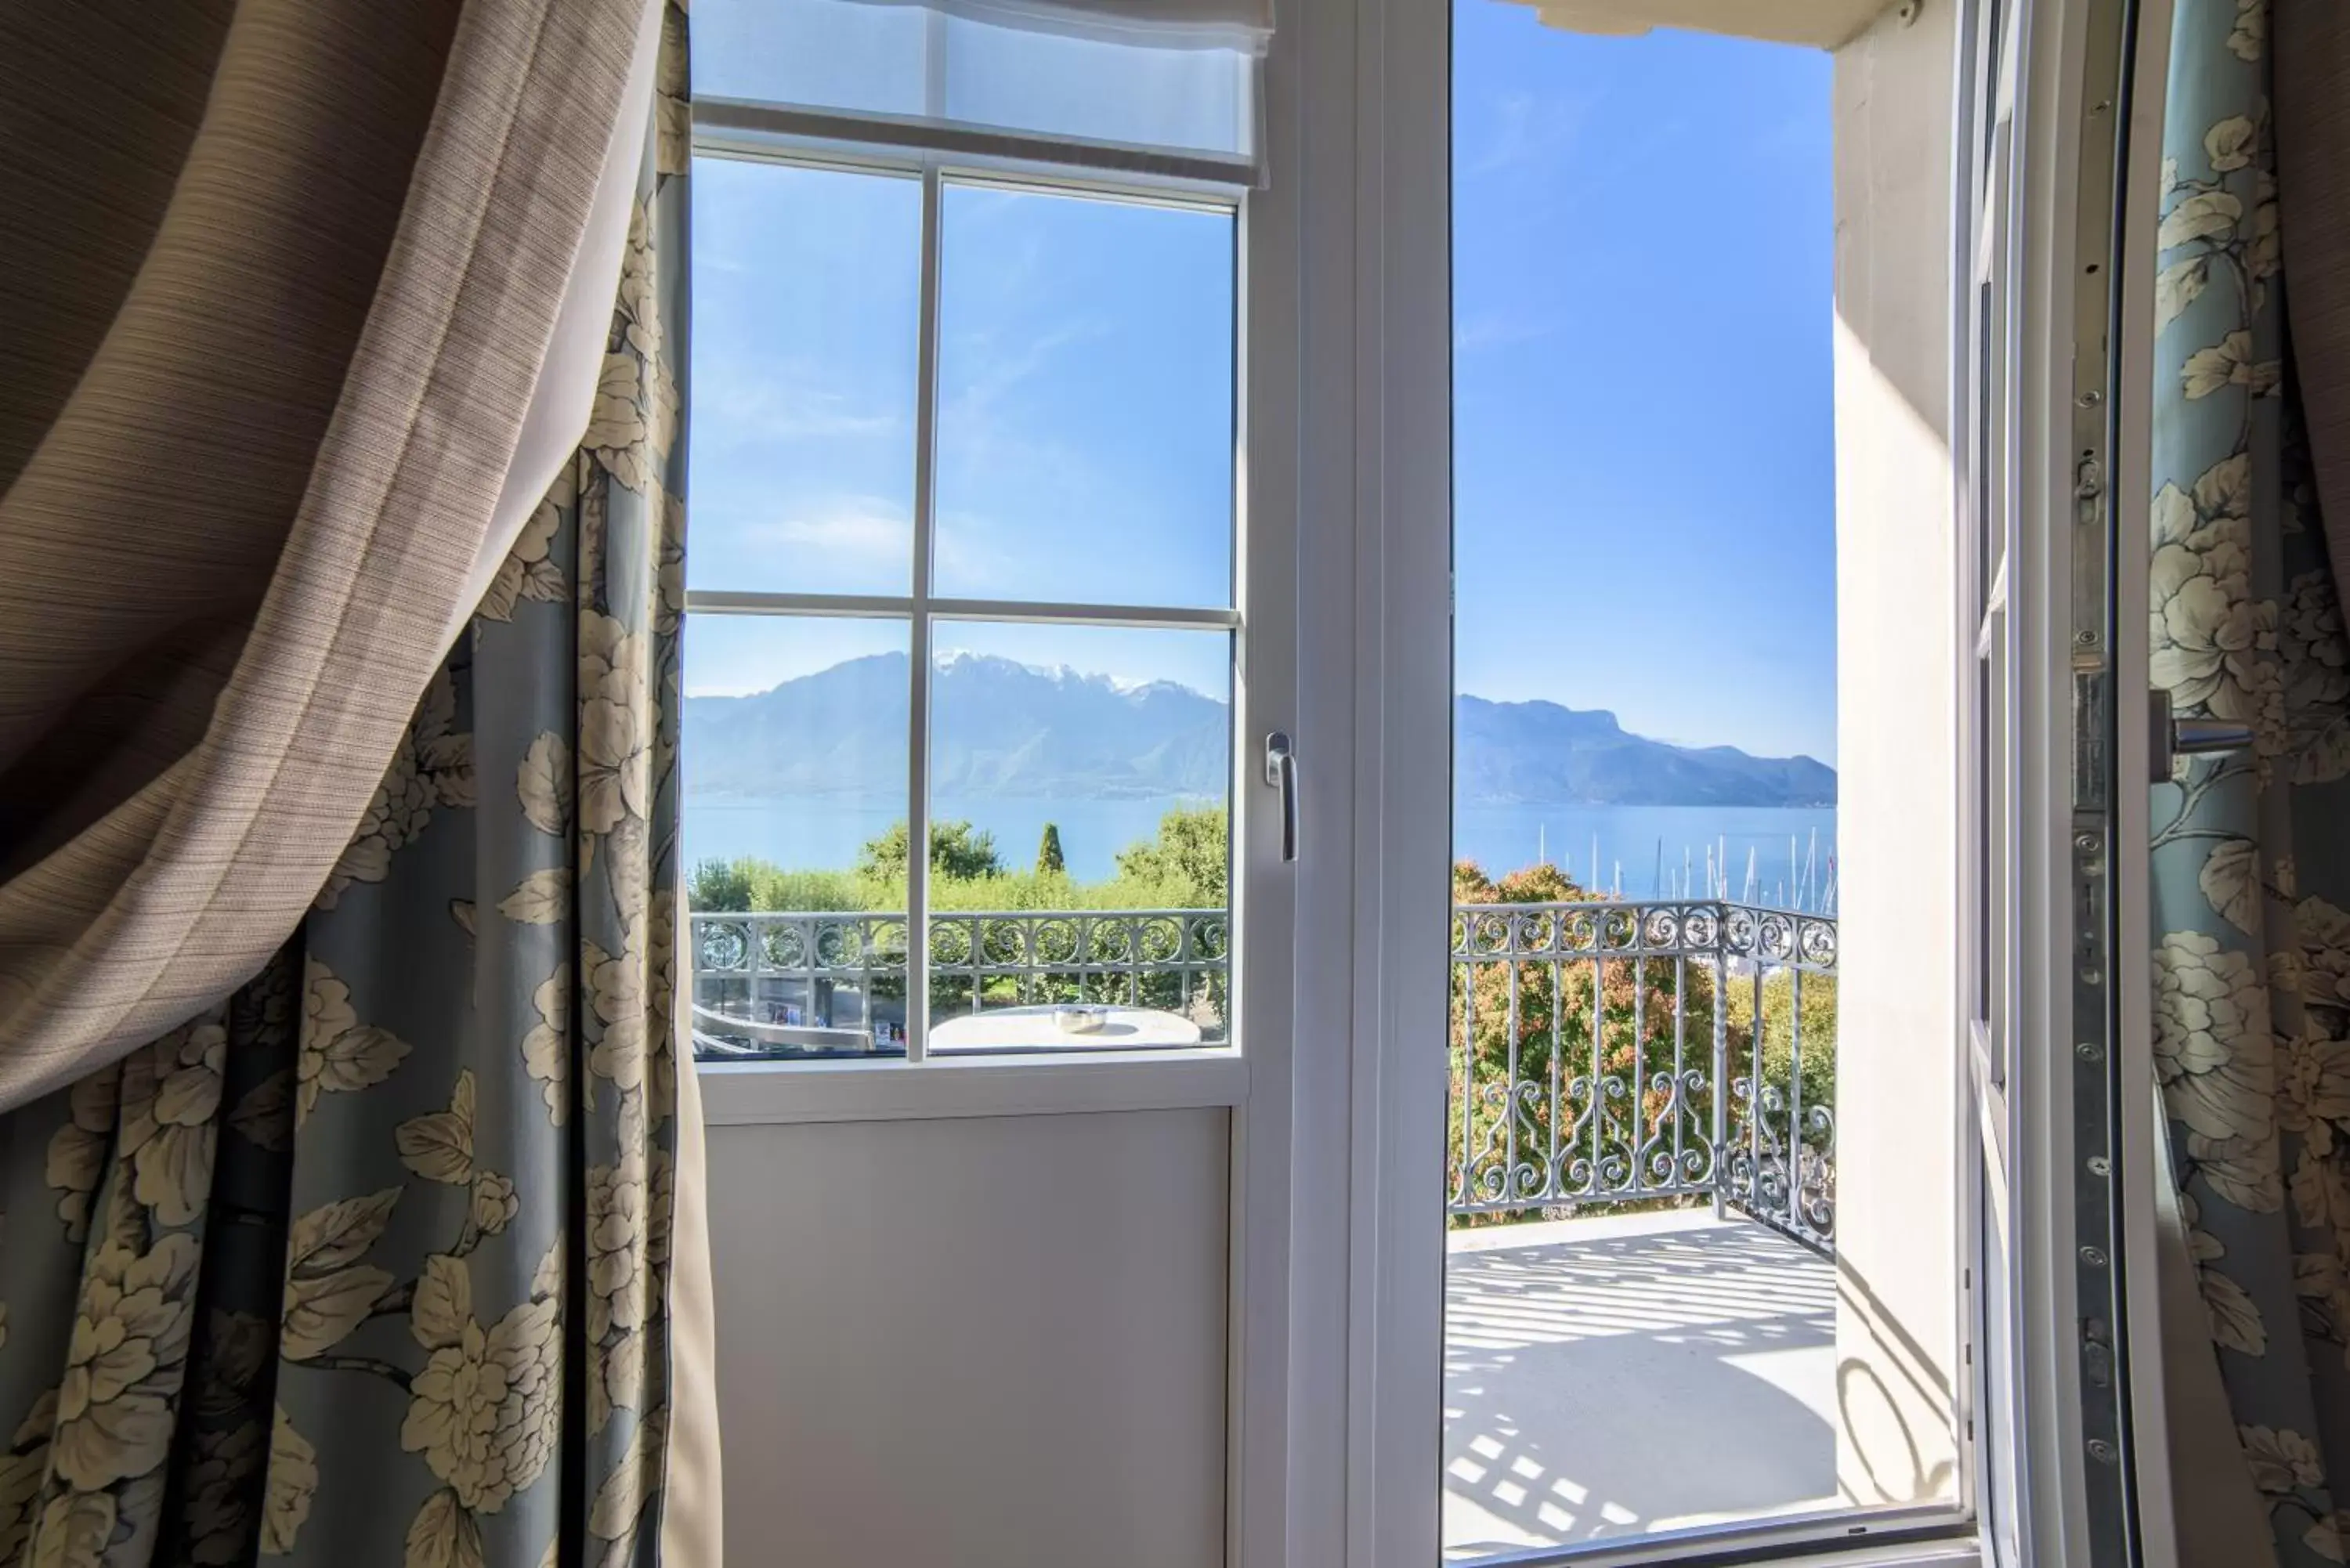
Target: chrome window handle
(1281,773)
(2170,738)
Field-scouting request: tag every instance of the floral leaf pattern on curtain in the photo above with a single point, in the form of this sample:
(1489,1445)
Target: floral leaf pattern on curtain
(2253,946)
(369,1265)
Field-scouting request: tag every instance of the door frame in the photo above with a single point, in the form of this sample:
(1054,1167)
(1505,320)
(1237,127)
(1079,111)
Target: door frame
(2095,1458)
(2133,966)
(1393,825)
(1393,656)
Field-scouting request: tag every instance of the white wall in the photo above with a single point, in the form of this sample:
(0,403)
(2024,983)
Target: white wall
(973,1342)
(1897,761)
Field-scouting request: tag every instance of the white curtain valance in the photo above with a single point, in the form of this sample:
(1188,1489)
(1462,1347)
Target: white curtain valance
(1243,24)
(1170,76)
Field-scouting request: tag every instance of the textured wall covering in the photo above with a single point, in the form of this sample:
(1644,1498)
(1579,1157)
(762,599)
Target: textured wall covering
(2252,864)
(370,1263)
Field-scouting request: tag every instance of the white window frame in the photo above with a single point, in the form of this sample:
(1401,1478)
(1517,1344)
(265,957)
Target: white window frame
(2084,1091)
(1285,1436)
(921,1084)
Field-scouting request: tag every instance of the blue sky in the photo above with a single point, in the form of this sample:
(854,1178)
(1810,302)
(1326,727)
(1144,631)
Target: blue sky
(1644,462)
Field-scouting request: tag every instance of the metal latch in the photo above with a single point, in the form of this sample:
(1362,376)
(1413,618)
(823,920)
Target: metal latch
(1281,773)
(2170,738)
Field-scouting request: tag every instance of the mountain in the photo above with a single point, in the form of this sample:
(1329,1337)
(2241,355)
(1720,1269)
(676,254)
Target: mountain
(1001,728)
(1539,753)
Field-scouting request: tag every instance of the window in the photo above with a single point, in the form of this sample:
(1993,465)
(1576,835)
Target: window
(966,543)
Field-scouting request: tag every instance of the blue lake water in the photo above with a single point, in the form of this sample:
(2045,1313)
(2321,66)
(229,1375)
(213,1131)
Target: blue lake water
(823,834)
(1792,852)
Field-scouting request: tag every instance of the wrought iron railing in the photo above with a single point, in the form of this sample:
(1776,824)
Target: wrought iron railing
(774,983)
(1592,1043)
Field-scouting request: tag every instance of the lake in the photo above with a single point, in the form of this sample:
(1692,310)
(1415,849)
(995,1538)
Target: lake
(1641,848)
(1632,840)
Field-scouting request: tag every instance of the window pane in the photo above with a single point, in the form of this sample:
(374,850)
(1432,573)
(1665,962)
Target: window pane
(806,292)
(1085,400)
(1080,795)
(794,757)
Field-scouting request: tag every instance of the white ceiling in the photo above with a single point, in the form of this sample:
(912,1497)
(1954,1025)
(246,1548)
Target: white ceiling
(1822,23)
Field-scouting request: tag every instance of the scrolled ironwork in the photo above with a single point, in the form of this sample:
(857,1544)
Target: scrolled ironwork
(722,945)
(766,976)
(1593,1062)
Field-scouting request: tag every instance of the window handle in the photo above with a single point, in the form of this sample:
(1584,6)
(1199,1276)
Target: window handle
(1281,773)
(2170,738)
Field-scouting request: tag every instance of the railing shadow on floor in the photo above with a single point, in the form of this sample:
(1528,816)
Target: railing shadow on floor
(1618,1384)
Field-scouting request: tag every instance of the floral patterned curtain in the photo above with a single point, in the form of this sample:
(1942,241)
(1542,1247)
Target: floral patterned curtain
(2251,871)
(369,1265)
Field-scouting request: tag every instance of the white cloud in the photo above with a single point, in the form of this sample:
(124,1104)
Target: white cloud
(976,397)
(785,401)
(1528,127)
(871,538)
(864,530)
(1500,329)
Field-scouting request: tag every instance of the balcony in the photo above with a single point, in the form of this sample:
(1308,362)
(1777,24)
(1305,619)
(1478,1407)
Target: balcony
(1641,1176)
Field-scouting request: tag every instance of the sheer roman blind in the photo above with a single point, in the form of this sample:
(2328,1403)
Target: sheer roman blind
(1176,78)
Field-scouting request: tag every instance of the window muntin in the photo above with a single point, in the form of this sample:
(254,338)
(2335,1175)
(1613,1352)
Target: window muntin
(1153,550)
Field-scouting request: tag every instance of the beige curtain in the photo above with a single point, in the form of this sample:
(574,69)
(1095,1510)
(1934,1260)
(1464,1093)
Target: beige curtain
(324,297)
(295,266)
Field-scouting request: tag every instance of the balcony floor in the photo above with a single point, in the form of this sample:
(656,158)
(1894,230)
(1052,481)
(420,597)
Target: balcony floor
(1622,1374)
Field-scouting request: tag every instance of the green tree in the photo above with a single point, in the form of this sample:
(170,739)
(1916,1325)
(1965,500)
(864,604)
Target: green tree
(1192,852)
(720,885)
(959,853)
(749,883)
(1048,853)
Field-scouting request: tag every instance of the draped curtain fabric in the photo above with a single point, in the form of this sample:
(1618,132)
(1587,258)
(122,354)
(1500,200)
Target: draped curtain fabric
(289,272)
(371,1263)
(2251,864)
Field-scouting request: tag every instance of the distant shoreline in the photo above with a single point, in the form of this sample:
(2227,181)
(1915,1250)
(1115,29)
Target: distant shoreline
(1646,845)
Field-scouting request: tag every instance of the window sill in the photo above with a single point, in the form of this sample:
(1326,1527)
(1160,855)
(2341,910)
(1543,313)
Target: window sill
(759,1094)
(1926,1536)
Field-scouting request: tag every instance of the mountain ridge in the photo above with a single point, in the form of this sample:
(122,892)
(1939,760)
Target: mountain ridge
(1003,728)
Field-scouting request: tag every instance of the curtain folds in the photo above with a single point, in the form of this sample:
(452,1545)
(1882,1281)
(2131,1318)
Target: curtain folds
(2251,870)
(2312,114)
(376,1260)
(296,264)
